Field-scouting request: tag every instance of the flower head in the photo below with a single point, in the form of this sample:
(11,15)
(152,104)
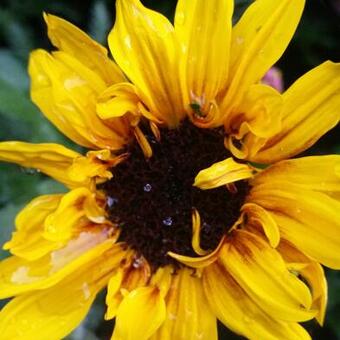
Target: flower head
(187,208)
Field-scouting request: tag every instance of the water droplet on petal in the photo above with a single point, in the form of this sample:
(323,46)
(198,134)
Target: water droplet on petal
(22,276)
(86,291)
(180,18)
(239,40)
(172,316)
(247,319)
(71,83)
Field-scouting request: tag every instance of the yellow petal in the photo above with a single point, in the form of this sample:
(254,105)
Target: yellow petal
(118,100)
(198,262)
(75,209)
(259,113)
(310,109)
(258,41)
(94,165)
(222,173)
(308,219)
(140,314)
(257,118)
(27,241)
(188,315)
(233,306)
(136,273)
(196,230)
(70,39)
(53,313)
(312,272)
(320,173)
(51,159)
(262,273)
(256,214)
(204,31)
(143,142)
(19,276)
(112,289)
(163,278)
(66,91)
(144,45)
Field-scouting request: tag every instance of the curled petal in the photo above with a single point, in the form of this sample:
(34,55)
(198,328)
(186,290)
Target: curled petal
(118,100)
(143,142)
(310,109)
(198,262)
(196,230)
(257,215)
(312,272)
(259,113)
(135,273)
(222,173)
(27,241)
(75,209)
(66,91)
(257,119)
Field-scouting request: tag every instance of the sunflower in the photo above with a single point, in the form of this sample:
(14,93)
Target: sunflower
(187,207)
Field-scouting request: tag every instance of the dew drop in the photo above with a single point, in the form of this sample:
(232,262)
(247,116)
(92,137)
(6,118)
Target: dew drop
(206,227)
(86,290)
(71,83)
(180,18)
(51,228)
(147,187)
(239,40)
(172,316)
(127,42)
(111,201)
(29,171)
(247,319)
(137,262)
(168,221)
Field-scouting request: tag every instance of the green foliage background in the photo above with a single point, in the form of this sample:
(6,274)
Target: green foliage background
(22,30)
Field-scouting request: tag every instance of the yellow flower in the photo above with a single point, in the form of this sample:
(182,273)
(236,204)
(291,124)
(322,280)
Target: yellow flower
(166,211)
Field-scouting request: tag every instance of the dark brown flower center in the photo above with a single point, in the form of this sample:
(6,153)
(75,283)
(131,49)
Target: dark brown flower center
(152,199)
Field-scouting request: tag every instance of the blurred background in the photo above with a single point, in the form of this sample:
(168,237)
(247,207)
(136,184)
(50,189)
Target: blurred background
(22,29)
